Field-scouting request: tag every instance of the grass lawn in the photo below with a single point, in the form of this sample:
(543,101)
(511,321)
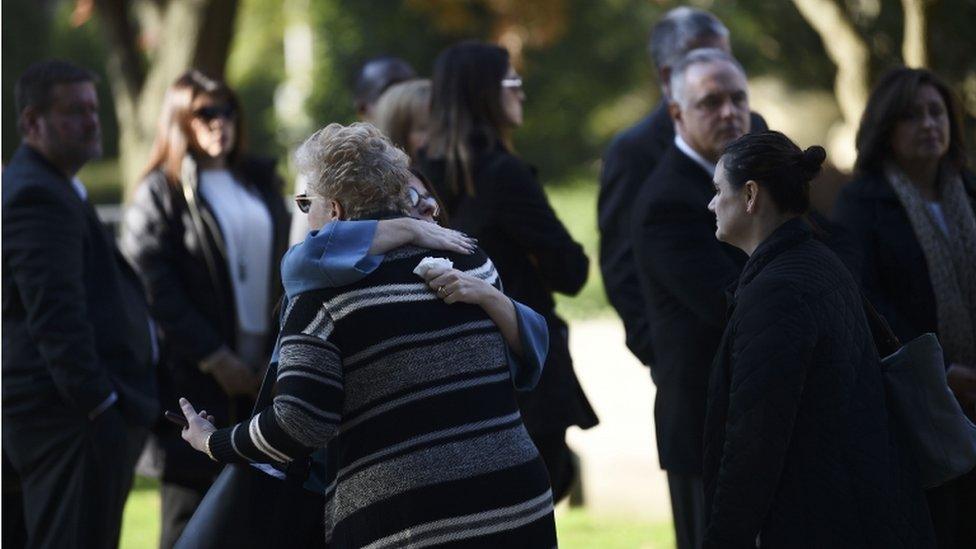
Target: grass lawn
(140,521)
(577,528)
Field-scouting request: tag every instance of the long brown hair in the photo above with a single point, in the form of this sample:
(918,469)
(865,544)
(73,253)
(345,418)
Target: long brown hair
(172,141)
(890,99)
(466,103)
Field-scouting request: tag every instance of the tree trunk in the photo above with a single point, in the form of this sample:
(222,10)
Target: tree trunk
(914,44)
(849,52)
(191,33)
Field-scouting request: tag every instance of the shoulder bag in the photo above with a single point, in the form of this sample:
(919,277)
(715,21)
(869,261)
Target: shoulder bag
(942,438)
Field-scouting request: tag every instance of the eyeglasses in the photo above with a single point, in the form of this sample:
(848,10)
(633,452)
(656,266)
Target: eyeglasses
(415,197)
(513,82)
(303,202)
(212,112)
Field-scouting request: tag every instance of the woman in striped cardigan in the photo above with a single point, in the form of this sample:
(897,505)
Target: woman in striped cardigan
(411,396)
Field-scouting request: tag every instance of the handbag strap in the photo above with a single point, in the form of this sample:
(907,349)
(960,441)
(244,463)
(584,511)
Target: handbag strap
(884,338)
(271,374)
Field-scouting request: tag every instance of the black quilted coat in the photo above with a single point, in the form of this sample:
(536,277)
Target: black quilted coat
(798,450)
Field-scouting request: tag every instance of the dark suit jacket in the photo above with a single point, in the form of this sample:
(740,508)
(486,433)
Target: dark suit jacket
(75,324)
(683,272)
(886,257)
(629,160)
(511,217)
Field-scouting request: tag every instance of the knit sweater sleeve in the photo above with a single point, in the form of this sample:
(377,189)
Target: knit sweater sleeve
(305,412)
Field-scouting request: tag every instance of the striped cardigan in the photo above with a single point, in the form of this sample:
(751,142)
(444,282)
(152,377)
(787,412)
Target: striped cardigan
(414,401)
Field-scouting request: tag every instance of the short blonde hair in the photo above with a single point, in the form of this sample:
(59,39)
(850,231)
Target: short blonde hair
(357,166)
(401,108)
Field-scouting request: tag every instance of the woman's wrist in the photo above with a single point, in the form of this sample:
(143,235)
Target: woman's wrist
(393,233)
(206,445)
(410,228)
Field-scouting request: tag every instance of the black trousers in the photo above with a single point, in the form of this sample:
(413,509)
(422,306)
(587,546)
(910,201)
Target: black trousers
(75,475)
(688,509)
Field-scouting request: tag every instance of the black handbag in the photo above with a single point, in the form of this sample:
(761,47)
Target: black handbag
(942,439)
(247,507)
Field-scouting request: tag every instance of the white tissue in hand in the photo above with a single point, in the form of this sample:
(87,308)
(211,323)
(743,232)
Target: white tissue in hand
(429,263)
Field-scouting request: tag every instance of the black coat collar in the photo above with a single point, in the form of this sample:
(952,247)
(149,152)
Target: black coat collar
(788,235)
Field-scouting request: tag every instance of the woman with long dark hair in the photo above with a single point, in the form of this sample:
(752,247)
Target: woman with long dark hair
(912,213)
(206,230)
(494,196)
(798,449)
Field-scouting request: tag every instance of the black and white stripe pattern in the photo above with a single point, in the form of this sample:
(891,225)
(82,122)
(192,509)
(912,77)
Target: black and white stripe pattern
(414,401)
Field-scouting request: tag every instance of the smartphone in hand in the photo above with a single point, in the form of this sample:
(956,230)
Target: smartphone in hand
(176,418)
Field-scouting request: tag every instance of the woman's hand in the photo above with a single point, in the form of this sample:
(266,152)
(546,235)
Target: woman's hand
(232,374)
(453,286)
(200,426)
(435,237)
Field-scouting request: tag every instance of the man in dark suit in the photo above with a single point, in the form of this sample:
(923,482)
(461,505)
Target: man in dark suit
(684,270)
(78,380)
(633,155)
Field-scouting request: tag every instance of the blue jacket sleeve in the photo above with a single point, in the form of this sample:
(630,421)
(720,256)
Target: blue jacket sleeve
(335,255)
(345,256)
(534,333)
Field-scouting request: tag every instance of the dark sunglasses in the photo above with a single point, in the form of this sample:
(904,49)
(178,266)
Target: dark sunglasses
(212,112)
(304,202)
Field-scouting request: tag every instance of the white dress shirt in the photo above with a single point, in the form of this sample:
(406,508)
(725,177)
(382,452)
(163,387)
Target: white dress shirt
(693,154)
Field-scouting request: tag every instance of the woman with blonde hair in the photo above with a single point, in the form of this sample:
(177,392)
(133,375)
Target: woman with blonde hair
(402,113)
(205,230)
(411,397)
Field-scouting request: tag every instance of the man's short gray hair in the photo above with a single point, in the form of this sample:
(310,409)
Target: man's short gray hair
(695,57)
(678,30)
(357,166)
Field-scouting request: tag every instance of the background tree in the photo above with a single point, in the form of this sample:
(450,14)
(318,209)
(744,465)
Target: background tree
(584,62)
(150,43)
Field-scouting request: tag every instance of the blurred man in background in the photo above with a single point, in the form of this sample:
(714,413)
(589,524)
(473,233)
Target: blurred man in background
(78,349)
(633,155)
(684,270)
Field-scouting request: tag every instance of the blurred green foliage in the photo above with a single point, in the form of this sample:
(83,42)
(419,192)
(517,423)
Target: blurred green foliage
(584,62)
(37,30)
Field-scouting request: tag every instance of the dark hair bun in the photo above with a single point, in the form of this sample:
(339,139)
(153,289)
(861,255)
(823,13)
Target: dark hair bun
(813,157)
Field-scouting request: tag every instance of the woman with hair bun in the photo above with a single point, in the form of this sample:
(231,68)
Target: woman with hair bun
(798,451)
